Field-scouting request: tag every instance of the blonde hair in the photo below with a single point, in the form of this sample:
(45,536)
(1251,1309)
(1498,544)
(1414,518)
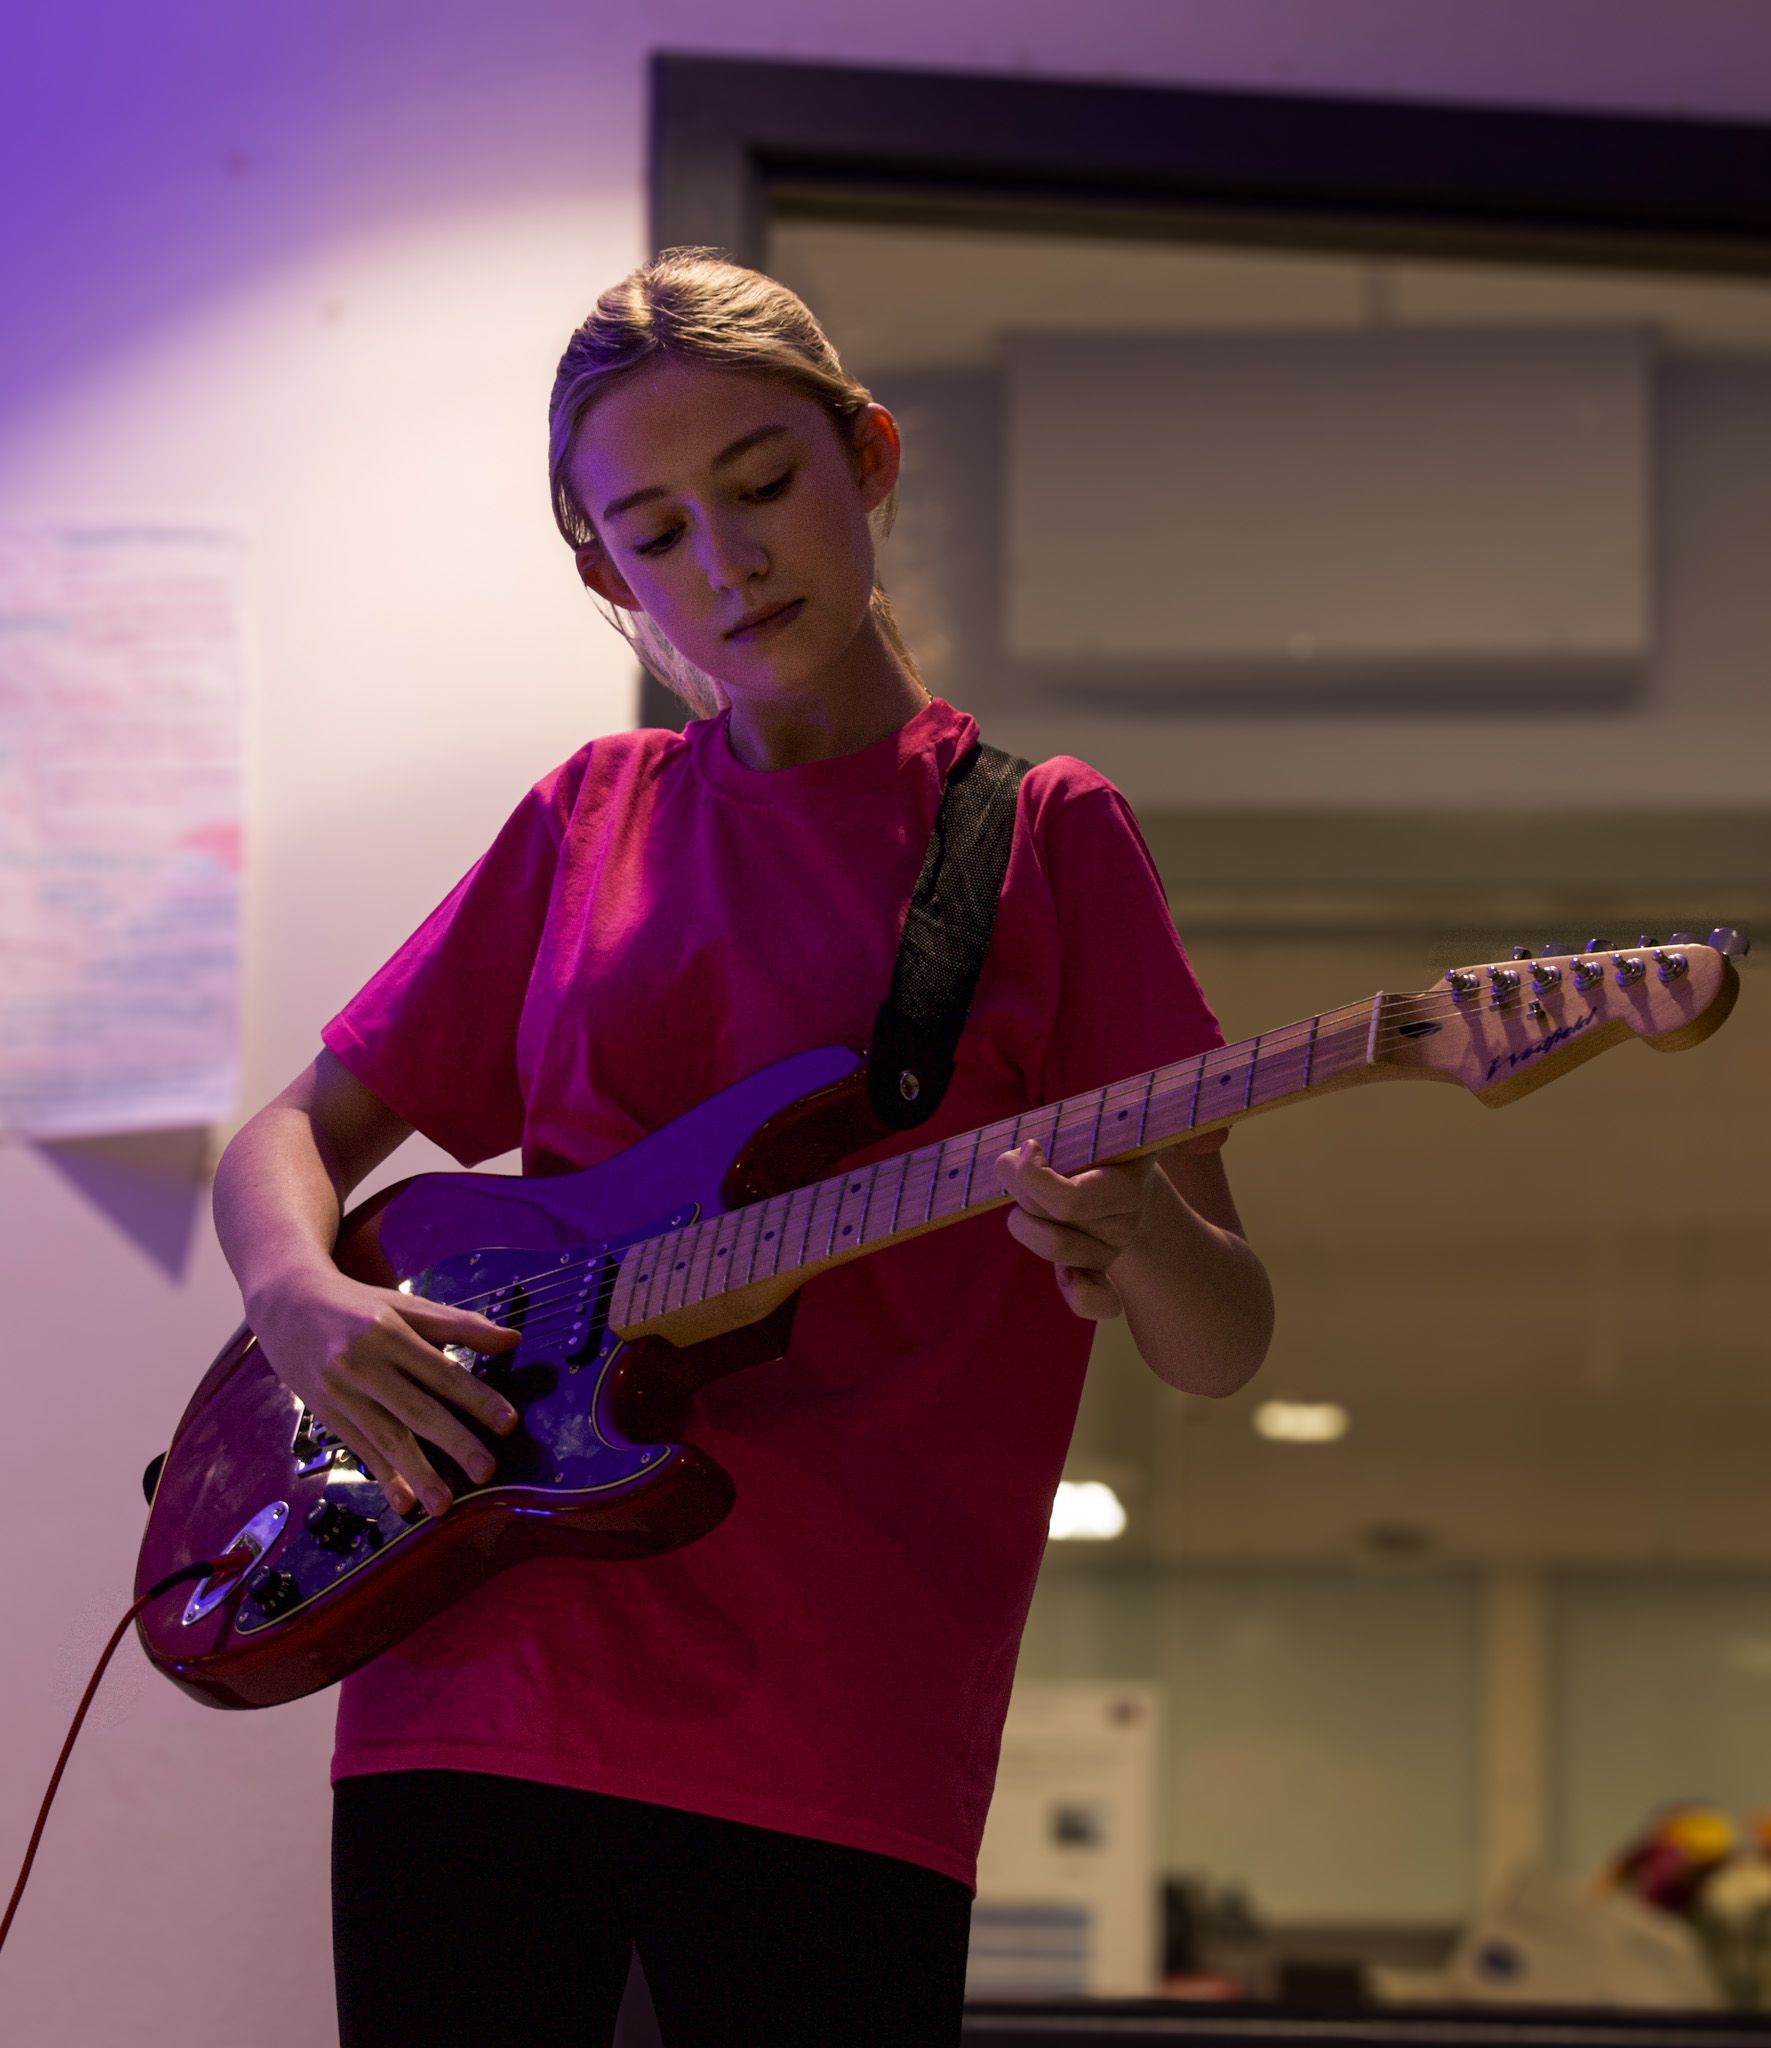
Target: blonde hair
(695,304)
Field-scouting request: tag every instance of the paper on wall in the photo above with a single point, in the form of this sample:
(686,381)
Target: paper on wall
(121,798)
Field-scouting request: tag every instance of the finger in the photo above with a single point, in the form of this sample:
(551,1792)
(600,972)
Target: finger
(1089,1293)
(422,1362)
(1097,1191)
(381,1465)
(1060,1243)
(400,1452)
(452,1325)
(404,1402)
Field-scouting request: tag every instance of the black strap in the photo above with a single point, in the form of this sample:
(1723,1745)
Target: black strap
(946,935)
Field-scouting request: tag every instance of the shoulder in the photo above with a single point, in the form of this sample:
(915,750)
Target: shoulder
(1064,800)
(602,772)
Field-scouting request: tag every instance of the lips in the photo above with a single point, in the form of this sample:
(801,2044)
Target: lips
(768,619)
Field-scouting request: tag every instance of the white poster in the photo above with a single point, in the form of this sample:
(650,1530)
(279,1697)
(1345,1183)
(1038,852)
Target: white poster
(1068,1881)
(121,778)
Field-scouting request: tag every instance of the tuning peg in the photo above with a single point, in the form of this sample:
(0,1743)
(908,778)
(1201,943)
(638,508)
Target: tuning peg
(1522,953)
(1596,946)
(1685,938)
(1646,939)
(1727,940)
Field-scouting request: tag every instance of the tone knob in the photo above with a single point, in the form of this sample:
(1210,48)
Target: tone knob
(272,1591)
(332,1525)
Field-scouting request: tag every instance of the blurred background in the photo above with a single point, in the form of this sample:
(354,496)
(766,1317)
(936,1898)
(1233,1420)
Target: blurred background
(1402,564)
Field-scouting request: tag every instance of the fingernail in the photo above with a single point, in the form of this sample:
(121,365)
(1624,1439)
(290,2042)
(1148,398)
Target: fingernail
(437,1503)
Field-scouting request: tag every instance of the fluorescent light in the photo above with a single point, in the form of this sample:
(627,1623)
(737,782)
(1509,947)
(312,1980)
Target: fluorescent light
(1087,1509)
(1301,1422)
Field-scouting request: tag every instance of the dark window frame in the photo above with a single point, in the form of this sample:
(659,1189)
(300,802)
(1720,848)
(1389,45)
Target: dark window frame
(737,142)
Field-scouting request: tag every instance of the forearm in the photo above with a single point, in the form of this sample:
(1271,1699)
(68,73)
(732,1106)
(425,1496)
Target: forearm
(275,1204)
(1197,1298)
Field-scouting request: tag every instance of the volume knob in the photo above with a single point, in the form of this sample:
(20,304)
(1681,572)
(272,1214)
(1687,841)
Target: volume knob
(272,1591)
(332,1525)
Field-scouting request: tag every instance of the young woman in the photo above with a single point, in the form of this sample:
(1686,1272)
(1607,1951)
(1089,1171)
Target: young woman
(764,1760)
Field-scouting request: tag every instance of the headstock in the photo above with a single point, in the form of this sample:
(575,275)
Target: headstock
(1506,1027)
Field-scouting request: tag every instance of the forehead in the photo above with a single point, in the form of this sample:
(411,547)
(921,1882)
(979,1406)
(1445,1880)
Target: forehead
(665,424)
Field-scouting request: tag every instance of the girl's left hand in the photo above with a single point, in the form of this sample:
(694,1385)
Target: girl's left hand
(1081,1222)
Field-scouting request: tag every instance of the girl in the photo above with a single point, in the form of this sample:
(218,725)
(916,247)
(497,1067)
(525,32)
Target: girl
(763,1760)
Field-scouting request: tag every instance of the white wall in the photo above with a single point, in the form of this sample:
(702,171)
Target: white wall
(310,267)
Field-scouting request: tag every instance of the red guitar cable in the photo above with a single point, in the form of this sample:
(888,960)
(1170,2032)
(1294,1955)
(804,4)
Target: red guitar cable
(238,1560)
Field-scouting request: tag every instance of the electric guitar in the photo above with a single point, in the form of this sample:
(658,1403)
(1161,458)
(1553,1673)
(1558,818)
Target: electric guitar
(638,1281)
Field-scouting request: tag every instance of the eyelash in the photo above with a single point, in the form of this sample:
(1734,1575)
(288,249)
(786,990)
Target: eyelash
(776,487)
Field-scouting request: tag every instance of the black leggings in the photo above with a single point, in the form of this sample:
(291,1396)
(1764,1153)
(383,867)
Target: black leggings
(481,1910)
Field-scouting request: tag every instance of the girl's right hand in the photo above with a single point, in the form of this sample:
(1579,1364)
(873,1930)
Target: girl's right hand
(358,1358)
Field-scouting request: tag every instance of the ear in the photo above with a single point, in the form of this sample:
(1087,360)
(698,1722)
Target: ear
(596,572)
(875,453)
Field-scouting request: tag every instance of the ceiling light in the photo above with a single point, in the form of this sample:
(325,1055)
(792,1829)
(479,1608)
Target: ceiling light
(1085,1508)
(1301,1422)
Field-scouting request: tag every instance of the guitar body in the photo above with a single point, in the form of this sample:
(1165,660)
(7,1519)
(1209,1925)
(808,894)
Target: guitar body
(596,1466)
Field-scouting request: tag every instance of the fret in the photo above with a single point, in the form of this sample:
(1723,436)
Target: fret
(678,1270)
(663,1252)
(1119,1139)
(1144,1113)
(750,1223)
(768,1237)
(947,1198)
(797,1226)
(898,1195)
(1047,1140)
(851,1212)
(1198,1083)
(826,1217)
(1094,1129)
(702,1261)
(874,1224)
(1228,1058)
(920,1180)
(1254,1053)
(1310,1050)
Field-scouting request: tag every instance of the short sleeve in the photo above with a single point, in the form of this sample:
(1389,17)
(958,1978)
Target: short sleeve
(433,1031)
(1128,999)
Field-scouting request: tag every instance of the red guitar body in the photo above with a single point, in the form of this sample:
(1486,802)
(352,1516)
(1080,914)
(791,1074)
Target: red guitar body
(596,1466)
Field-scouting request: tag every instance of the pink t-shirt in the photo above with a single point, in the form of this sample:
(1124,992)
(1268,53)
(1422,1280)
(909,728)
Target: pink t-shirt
(655,921)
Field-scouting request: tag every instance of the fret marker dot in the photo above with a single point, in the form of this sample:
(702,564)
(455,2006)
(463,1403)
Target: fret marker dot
(847,1227)
(1122,1116)
(680,1264)
(953,1173)
(724,1248)
(767,1234)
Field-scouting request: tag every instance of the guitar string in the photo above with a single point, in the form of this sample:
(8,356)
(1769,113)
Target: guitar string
(1270,1046)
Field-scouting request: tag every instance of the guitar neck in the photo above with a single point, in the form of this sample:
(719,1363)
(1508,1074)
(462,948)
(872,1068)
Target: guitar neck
(789,1237)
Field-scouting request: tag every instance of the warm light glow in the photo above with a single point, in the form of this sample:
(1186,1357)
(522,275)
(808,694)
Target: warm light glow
(1086,1508)
(1301,1422)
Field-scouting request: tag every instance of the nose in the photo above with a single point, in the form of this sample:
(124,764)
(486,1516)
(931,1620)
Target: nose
(731,558)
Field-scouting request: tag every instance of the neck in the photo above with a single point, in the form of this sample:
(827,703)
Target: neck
(676,1280)
(783,724)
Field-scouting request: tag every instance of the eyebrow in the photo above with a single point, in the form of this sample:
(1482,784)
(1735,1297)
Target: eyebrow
(726,456)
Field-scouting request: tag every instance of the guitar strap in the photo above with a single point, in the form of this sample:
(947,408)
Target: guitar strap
(946,935)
